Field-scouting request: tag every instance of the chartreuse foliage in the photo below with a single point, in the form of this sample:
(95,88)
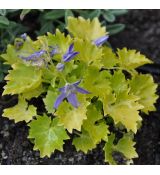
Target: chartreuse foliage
(87,90)
(22,111)
(93,29)
(121,152)
(48,135)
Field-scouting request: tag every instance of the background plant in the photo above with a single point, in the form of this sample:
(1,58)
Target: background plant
(113,93)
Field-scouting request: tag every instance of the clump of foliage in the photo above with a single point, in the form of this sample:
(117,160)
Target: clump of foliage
(14,22)
(88,90)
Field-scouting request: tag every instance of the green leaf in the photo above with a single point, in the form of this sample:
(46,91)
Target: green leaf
(93,29)
(12,10)
(84,142)
(60,40)
(3,12)
(18,82)
(118,82)
(61,25)
(93,131)
(144,87)
(109,59)
(124,109)
(108,16)
(54,14)
(97,131)
(46,27)
(115,28)
(121,104)
(99,86)
(88,52)
(94,14)
(125,148)
(70,117)
(118,12)
(67,14)
(35,93)
(21,112)
(131,59)
(48,135)
(24,13)
(50,100)
(11,56)
(4,22)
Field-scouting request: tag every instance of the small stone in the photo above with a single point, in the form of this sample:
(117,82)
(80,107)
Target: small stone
(24,159)
(37,154)
(25,143)
(71,159)
(4,156)
(6,127)
(6,134)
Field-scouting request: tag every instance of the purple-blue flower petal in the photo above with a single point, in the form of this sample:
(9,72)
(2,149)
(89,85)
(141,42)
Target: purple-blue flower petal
(69,91)
(60,67)
(82,91)
(101,40)
(69,56)
(24,36)
(34,56)
(59,99)
(71,48)
(73,100)
(77,83)
(53,52)
(62,89)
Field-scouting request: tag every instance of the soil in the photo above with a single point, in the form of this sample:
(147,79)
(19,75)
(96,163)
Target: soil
(142,32)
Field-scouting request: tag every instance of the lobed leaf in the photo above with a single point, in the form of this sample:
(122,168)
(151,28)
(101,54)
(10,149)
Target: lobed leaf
(84,142)
(124,148)
(21,112)
(70,117)
(22,79)
(93,131)
(48,135)
(131,59)
(93,29)
(144,87)
(11,56)
(59,40)
(97,82)
(50,99)
(35,93)
(88,52)
(97,131)
(124,109)
(108,59)
(118,82)
(122,105)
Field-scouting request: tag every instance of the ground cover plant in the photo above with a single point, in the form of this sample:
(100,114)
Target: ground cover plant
(90,93)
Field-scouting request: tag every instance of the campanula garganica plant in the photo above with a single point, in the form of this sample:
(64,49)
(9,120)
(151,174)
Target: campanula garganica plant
(88,90)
